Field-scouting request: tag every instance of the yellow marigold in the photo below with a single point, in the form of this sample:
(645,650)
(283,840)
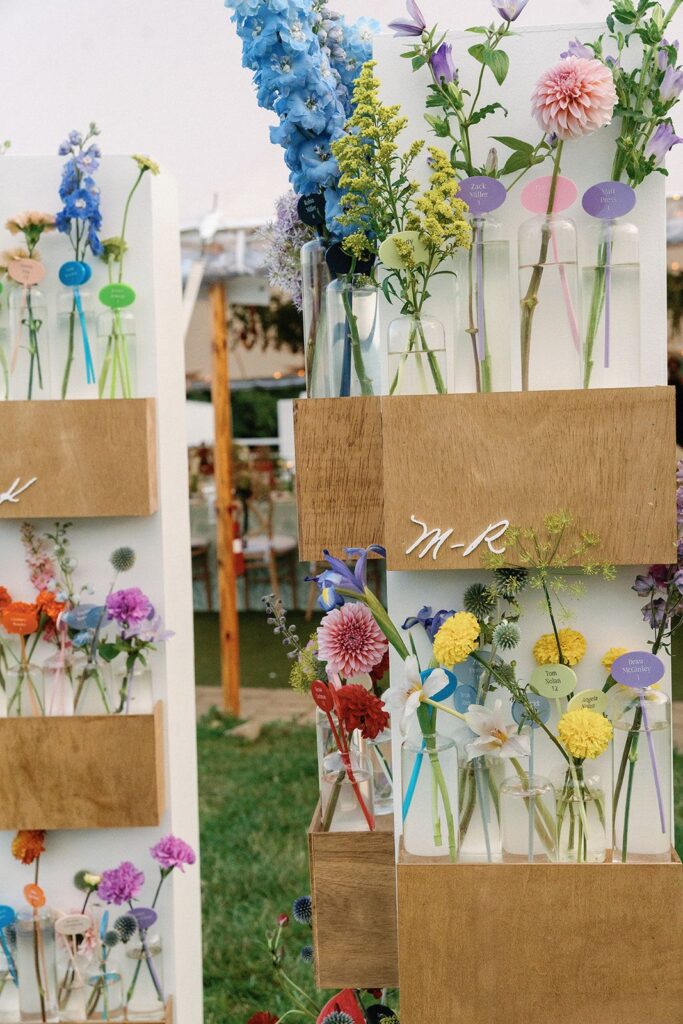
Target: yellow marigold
(456,639)
(27,846)
(612,655)
(584,733)
(573,646)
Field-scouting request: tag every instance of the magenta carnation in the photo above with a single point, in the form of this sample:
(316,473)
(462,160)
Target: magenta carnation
(127,606)
(121,884)
(350,641)
(171,852)
(574,98)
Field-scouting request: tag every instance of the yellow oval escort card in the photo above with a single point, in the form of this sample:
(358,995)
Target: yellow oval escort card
(591,700)
(388,253)
(553,681)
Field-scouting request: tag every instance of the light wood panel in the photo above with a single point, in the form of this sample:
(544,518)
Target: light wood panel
(353,886)
(82,772)
(338,474)
(462,463)
(90,458)
(521,944)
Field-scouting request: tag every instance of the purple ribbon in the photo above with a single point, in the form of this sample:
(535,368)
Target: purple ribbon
(653,761)
(608,291)
(479,244)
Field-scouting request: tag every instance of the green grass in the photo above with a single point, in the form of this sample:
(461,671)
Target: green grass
(263,660)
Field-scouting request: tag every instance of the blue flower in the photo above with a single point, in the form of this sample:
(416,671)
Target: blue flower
(80,205)
(430,621)
(339,576)
(82,640)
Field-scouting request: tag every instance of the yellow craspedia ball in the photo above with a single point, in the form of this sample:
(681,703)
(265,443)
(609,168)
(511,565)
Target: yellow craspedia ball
(456,639)
(573,646)
(612,655)
(584,733)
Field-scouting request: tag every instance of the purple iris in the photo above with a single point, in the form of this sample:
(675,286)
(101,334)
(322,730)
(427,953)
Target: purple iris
(575,48)
(415,25)
(672,85)
(429,620)
(509,10)
(664,55)
(340,577)
(663,140)
(443,68)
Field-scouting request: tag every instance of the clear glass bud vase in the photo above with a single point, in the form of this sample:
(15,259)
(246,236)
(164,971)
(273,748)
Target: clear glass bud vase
(116,341)
(4,343)
(611,303)
(25,689)
(29,346)
(353,341)
(37,967)
(9,993)
(144,979)
(551,344)
(417,356)
(134,692)
(346,793)
(92,688)
(430,797)
(484,327)
(73,346)
(379,752)
(315,277)
(528,820)
(59,674)
(581,824)
(480,782)
(641,778)
(105,997)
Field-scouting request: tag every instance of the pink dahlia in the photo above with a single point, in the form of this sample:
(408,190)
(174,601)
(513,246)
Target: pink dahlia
(574,98)
(350,641)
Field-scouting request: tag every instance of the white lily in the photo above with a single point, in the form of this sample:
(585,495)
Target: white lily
(405,695)
(496,736)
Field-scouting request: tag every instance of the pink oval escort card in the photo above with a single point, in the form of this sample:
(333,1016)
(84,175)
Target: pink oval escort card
(536,195)
(482,194)
(609,199)
(639,669)
(26,272)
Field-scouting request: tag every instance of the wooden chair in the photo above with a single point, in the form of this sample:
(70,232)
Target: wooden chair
(201,571)
(266,551)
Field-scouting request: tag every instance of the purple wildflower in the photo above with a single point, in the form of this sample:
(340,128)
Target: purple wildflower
(171,852)
(672,85)
(663,140)
(284,238)
(414,25)
(121,885)
(678,581)
(575,48)
(443,67)
(654,612)
(664,55)
(509,10)
(129,606)
(429,620)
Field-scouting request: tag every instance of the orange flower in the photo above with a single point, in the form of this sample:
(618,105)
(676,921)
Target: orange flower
(45,602)
(5,598)
(20,618)
(27,846)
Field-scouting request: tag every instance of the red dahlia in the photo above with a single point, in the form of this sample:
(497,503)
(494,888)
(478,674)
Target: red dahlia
(360,709)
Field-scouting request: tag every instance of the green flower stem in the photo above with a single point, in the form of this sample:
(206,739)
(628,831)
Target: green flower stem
(468,800)
(473,330)
(334,800)
(356,352)
(437,773)
(596,310)
(632,761)
(70,349)
(543,820)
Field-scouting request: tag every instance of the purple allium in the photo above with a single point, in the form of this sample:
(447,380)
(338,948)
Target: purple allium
(443,67)
(121,885)
(575,48)
(284,238)
(672,85)
(663,140)
(171,852)
(129,606)
(510,10)
(414,25)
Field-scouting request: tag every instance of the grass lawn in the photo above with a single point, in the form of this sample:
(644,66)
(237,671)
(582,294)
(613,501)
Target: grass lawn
(262,659)
(256,802)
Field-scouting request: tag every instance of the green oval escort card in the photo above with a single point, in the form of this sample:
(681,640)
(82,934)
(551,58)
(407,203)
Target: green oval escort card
(388,253)
(553,681)
(591,700)
(117,296)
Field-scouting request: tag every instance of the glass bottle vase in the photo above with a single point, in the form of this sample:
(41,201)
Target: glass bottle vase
(484,327)
(29,346)
(346,793)
(37,967)
(9,994)
(59,674)
(105,997)
(76,326)
(379,752)
(528,820)
(134,693)
(641,779)
(551,344)
(92,688)
(417,356)
(480,779)
(4,343)
(144,979)
(581,824)
(315,277)
(116,341)
(25,688)
(611,303)
(353,339)
(430,796)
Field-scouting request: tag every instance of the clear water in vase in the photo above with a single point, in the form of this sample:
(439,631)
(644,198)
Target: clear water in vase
(615,357)
(646,840)
(483,359)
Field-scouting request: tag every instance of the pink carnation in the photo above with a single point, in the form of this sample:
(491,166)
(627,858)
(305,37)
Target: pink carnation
(121,884)
(171,852)
(574,98)
(350,641)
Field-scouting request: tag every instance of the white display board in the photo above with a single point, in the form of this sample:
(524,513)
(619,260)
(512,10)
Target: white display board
(162,545)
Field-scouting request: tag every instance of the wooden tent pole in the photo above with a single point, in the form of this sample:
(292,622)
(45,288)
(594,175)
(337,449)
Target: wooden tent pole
(227,580)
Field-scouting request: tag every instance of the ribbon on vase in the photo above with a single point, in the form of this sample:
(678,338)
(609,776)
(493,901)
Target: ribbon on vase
(25,272)
(74,274)
(440,696)
(58,703)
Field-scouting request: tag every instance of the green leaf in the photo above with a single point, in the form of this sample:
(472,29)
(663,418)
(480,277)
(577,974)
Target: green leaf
(479,115)
(478,50)
(109,651)
(519,145)
(499,62)
(480,30)
(419,62)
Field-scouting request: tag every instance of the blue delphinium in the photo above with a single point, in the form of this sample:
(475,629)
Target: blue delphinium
(80,217)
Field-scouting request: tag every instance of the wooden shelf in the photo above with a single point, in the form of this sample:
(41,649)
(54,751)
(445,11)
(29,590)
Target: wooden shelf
(90,459)
(353,886)
(502,943)
(82,772)
(466,462)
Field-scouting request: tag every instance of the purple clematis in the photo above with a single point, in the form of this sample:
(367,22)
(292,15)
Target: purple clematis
(663,140)
(442,65)
(509,10)
(340,577)
(414,25)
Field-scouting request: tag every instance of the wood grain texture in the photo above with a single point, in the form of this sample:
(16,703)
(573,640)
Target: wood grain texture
(338,474)
(353,885)
(83,772)
(91,458)
(519,944)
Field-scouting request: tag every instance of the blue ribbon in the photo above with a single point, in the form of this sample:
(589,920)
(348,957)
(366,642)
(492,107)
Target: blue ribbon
(8,957)
(442,695)
(89,365)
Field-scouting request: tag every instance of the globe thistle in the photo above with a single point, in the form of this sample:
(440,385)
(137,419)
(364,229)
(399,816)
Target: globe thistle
(307,954)
(337,1017)
(122,559)
(506,635)
(508,583)
(479,600)
(125,927)
(302,910)
(111,939)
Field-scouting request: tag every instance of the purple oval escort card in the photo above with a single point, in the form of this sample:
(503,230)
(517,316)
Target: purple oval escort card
(639,669)
(536,195)
(609,199)
(145,917)
(482,194)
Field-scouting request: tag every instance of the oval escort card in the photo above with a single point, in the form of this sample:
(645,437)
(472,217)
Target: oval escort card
(73,274)
(541,707)
(26,272)
(145,917)
(482,194)
(639,669)
(34,896)
(341,262)
(322,696)
(589,700)
(553,681)
(609,199)
(7,917)
(117,296)
(463,697)
(311,210)
(536,195)
(73,924)
(389,255)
